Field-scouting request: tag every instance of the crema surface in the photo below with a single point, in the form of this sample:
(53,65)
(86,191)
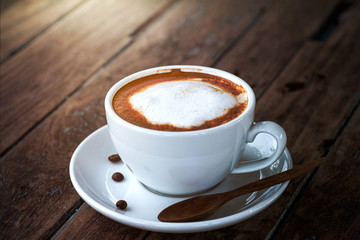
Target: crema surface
(180,101)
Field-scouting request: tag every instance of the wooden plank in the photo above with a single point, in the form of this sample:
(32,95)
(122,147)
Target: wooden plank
(38,179)
(305,113)
(266,50)
(77,121)
(23,20)
(88,223)
(152,43)
(41,76)
(44,154)
(311,114)
(329,208)
(35,174)
(184,36)
(146,47)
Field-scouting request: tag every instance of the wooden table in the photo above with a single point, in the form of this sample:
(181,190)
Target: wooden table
(59,58)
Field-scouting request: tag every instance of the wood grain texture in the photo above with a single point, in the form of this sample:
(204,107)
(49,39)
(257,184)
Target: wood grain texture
(34,175)
(329,208)
(161,58)
(130,61)
(22,21)
(182,36)
(266,50)
(146,39)
(307,86)
(304,113)
(89,224)
(310,118)
(39,78)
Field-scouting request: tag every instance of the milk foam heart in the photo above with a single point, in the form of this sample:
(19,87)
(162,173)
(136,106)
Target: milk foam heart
(184,103)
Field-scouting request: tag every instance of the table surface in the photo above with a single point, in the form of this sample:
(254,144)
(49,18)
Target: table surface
(59,58)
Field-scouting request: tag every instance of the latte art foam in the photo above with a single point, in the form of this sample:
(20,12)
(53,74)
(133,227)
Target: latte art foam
(183,104)
(180,101)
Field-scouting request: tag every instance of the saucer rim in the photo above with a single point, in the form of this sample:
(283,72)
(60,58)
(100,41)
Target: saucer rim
(166,227)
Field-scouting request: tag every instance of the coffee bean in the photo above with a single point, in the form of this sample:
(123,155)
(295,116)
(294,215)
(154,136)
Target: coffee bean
(121,204)
(114,158)
(117,177)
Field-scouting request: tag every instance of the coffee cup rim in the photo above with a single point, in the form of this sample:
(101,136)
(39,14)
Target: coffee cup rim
(187,68)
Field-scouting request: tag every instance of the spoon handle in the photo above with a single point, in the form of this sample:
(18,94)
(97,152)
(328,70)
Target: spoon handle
(275,179)
(197,207)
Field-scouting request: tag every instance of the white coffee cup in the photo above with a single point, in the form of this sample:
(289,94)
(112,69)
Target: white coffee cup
(181,163)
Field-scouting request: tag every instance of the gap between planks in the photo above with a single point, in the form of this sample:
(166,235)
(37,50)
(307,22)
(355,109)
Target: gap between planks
(133,35)
(152,19)
(306,182)
(36,35)
(7,150)
(325,30)
(64,220)
(75,209)
(238,37)
(320,34)
(155,17)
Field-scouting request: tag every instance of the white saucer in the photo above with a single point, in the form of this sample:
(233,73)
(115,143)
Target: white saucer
(91,171)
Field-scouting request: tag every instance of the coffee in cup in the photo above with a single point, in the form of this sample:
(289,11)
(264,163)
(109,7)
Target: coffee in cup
(183,129)
(180,101)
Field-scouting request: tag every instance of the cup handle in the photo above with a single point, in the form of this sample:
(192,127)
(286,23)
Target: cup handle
(276,131)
